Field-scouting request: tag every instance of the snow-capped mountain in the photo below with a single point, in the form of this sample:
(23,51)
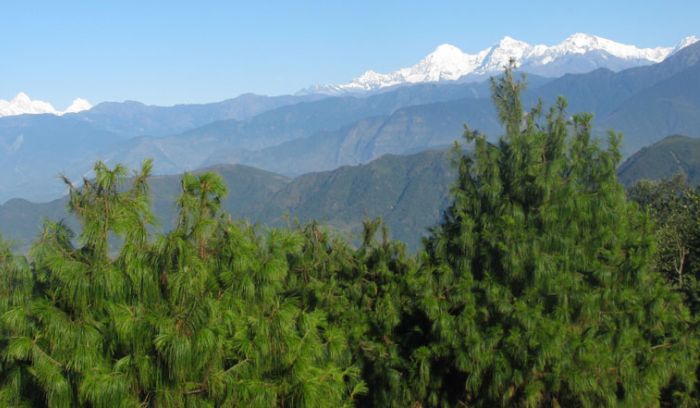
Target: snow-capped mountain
(578,53)
(22,104)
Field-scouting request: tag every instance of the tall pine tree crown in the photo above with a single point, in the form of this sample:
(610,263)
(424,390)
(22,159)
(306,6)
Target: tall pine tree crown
(540,288)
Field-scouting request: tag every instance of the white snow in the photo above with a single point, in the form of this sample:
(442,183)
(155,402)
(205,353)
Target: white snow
(78,105)
(447,62)
(22,104)
(690,40)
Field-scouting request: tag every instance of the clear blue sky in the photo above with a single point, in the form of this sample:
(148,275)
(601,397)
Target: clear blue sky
(166,52)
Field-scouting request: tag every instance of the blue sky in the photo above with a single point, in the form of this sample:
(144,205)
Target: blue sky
(202,51)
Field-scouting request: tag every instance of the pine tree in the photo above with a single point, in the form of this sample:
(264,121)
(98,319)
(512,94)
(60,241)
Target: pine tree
(59,340)
(15,289)
(538,282)
(365,294)
(201,316)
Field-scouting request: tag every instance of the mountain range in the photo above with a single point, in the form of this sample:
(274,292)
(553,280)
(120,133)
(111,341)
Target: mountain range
(297,134)
(663,97)
(578,53)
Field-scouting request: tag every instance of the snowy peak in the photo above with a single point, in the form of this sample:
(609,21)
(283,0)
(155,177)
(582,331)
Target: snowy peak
(690,40)
(21,98)
(444,53)
(447,62)
(510,43)
(578,53)
(581,43)
(78,105)
(22,104)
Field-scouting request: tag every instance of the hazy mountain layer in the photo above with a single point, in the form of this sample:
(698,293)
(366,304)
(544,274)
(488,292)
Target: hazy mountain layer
(408,192)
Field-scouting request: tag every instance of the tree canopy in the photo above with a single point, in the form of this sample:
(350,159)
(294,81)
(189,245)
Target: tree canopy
(541,289)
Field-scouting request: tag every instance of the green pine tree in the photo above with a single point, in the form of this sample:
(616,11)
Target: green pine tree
(199,317)
(363,292)
(539,282)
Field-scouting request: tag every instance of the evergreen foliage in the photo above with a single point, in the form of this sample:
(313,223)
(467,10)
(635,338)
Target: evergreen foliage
(675,208)
(366,291)
(541,291)
(538,288)
(199,317)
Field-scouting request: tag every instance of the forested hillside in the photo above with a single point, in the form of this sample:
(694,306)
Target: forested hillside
(664,159)
(541,285)
(408,192)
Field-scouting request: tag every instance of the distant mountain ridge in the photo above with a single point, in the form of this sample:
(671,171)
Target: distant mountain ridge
(232,141)
(35,149)
(578,53)
(135,119)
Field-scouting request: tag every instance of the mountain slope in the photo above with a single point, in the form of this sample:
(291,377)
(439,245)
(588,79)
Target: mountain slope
(602,91)
(663,159)
(234,141)
(35,149)
(668,107)
(408,192)
(408,130)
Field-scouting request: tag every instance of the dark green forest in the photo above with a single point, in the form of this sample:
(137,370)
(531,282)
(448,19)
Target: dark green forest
(545,284)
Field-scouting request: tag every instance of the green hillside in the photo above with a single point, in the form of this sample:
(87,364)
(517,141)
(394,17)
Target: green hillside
(674,154)
(409,192)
